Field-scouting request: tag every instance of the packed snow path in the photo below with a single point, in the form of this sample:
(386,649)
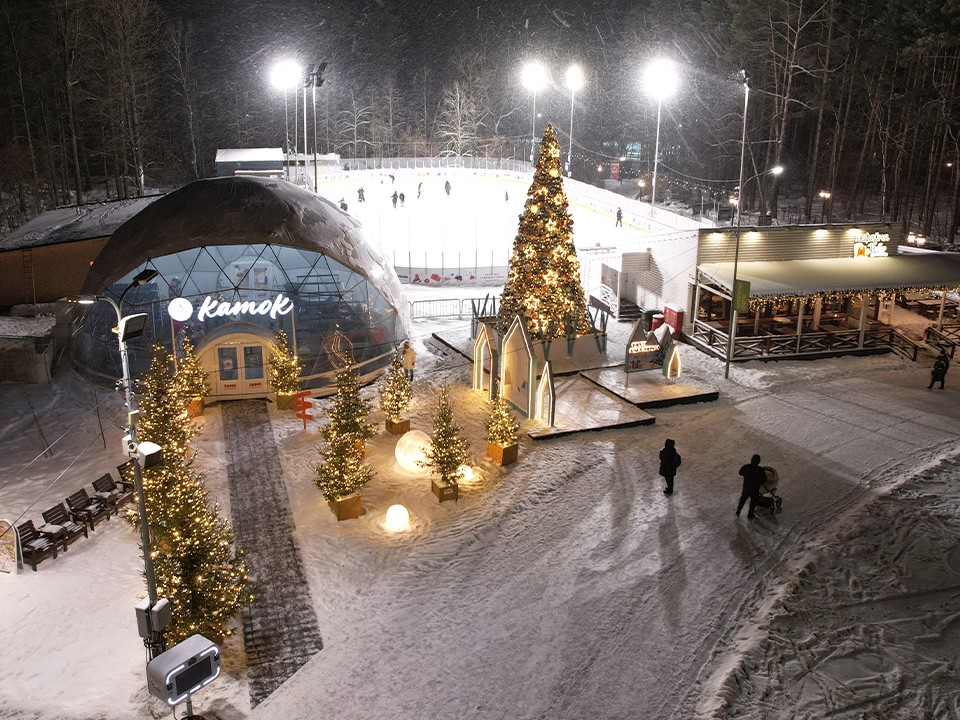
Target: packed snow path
(280,630)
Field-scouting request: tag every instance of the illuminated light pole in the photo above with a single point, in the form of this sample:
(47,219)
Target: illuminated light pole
(285,76)
(534,78)
(660,80)
(128,328)
(825,196)
(574,82)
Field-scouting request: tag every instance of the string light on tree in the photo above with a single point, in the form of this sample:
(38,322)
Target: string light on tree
(342,470)
(197,569)
(449,449)
(395,389)
(285,368)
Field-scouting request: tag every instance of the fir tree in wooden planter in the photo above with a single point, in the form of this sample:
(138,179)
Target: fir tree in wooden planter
(284,371)
(342,471)
(502,433)
(395,396)
(191,379)
(447,452)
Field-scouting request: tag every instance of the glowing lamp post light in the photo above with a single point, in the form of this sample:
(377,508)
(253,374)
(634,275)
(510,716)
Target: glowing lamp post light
(574,82)
(285,76)
(534,78)
(660,81)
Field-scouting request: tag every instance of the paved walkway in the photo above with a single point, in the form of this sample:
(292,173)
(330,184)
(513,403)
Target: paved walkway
(280,629)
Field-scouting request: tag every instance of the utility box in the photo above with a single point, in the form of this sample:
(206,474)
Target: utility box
(673,316)
(179,672)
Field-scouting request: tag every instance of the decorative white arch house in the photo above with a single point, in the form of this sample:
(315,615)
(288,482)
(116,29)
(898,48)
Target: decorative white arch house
(485,360)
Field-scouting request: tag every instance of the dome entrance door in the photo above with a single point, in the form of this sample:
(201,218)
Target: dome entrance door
(240,370)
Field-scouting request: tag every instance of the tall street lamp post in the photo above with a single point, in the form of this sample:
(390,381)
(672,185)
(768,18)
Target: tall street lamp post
(284,76)
(128,328)
(661,82)
(534,78)
(574,82)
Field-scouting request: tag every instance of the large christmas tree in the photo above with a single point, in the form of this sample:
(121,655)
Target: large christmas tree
(342,469)
(449,449)
(543,281)
(196,567)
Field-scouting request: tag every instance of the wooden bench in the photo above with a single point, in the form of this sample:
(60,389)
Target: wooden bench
(57,517)
(125,471)
(87,509)
(106,489)
(34,546)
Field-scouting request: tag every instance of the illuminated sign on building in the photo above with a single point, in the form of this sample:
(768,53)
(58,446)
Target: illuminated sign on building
(181,309)
(872,245)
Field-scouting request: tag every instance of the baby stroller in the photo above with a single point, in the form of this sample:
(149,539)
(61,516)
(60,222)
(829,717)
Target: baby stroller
(768,492)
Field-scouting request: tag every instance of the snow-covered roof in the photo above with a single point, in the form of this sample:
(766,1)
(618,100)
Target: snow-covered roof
(250,155)
(242,211)
(835,275)
(20,327)
(71,224)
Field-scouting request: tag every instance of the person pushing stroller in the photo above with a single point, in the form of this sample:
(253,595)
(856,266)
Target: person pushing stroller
(753,478)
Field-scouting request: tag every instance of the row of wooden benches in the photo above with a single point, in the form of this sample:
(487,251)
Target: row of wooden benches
(64,525)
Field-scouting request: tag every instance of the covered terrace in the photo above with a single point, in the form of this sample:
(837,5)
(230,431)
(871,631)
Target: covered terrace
(823,307)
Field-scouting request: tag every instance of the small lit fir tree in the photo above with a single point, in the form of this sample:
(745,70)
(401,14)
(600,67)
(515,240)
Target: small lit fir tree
(342,469)
(449,449)
(395,389)
(284,366)
(190,375)
(543,280)
(196,567)
(502,429)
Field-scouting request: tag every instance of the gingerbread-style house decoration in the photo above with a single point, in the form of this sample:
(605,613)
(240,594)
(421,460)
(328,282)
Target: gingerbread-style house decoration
(518,367)
(485,360)
(546,407)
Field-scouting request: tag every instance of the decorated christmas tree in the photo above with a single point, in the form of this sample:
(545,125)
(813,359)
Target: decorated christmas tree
(196,567)
(449,449)
(284,367)
(543,280)
(191,377)
(502,429)
(342,469)
(395,389)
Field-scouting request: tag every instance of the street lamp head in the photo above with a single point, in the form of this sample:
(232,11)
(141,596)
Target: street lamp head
(285,75)
(534,77)
(661,78)
(777,170)
(82,299)
(574,78)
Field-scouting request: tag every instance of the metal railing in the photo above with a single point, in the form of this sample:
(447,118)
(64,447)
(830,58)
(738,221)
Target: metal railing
(453,307)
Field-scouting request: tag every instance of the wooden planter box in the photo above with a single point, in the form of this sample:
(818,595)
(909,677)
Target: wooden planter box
(286,402)
(398,428)
(503,455)
(347,507)
(195,408)
(445,492)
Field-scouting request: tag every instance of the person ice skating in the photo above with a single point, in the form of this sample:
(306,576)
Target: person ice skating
(360,197)
(669,462)
(753,477)
(394,198)
(343,204)
(506,196)
(619,218)
(402,198)
(446,186)
(392,179)
(419,188)
(939,372)
(409,359)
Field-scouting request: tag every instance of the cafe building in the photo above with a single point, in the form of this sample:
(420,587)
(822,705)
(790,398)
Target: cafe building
(237,259)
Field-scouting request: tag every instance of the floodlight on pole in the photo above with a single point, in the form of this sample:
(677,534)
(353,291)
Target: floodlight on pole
(745,82)
(660,81)
(534,77)
(129,327)
(574,82)
(284,76)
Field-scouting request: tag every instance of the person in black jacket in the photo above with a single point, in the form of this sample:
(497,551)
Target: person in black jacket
(753,477)
(669,462)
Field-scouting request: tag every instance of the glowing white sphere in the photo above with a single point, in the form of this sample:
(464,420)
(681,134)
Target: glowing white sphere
(466,473)
(180,309)
(411,450)
(398,519)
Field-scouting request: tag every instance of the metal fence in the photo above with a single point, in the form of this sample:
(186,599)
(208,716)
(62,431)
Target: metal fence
(453,307)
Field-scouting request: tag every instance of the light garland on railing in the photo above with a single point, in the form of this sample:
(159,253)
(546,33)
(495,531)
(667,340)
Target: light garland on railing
(762,303)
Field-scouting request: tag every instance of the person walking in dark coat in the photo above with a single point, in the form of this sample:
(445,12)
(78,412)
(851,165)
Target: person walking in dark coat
(669,462)
(360,197)
(939,372)
(419,188)
(402,199)
(394,198)
(753,477)
(619,218)
(446,186)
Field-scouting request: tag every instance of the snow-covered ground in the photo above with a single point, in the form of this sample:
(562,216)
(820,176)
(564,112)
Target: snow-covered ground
(564,586)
